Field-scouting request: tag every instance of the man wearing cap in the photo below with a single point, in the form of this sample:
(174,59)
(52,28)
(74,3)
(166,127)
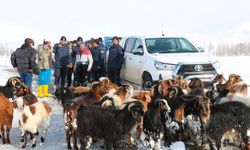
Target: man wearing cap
(115,61)
(24,59)
(61,50)
(98,64)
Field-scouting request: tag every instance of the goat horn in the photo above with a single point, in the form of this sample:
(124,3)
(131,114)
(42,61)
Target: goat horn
(176,91)
(161,100)
(160,89)
(131,105)
(103,79)
(94,83)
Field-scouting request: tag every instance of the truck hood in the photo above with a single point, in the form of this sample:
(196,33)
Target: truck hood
(175,58)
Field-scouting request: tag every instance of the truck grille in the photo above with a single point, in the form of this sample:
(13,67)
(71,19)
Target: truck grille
(189,69)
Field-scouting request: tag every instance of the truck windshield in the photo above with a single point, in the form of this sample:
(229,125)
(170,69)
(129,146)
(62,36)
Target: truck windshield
(169,45)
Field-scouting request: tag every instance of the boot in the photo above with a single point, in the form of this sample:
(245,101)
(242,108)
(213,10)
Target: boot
(46,91)
(40,91)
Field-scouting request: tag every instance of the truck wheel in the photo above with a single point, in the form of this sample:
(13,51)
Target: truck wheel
(147,82)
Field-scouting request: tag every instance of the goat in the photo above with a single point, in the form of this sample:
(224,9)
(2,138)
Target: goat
(11,86)
(196,87)
(29,98)
(6,117)
(154,122)
(145,98)
(226,117)
(8,92)
(32,116)
(183,106)
(110,124)
(232,85)
(98,90)
(27,95)
(116,99)
(65,95)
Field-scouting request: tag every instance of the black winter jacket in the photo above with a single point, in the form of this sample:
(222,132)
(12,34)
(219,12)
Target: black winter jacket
(25,60)
(98,57)
(116,57)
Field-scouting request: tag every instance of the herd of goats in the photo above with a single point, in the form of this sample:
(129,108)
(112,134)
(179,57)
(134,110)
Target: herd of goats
(173,110)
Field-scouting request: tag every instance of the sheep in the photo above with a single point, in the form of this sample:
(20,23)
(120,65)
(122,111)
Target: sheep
(32,116)
(6,117)
(154,122)
(110,124)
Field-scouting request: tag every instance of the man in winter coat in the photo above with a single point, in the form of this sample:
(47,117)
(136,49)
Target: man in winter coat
(61,50)
(115,61)
(98,69)
(24,59)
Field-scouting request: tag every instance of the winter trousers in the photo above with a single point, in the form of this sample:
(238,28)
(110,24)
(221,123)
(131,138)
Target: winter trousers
(81,75)
(44,77)
(114,75)
(69,76)
(60,75)
(26,78)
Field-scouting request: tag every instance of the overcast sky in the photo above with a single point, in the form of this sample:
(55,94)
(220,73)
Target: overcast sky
(194,19)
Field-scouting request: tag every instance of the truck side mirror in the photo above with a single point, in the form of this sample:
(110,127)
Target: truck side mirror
(138,50)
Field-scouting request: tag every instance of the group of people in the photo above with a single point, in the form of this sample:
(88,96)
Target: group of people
(75,63)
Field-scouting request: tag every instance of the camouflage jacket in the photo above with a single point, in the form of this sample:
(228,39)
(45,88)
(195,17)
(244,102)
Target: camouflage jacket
(44,58)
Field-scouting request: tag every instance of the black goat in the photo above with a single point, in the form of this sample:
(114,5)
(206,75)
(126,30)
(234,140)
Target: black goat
(98,122)
(181,107)
(65,95)
(11,87)
(196,87)
(225,117)
(154,122)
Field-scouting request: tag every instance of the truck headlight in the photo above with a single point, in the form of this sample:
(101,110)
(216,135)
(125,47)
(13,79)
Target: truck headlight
(164,66)
(216,64)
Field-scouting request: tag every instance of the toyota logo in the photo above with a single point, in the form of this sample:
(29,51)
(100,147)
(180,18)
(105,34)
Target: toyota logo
(198,68)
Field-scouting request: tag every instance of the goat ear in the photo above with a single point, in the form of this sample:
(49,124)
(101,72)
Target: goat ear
(148,98)
(25,102)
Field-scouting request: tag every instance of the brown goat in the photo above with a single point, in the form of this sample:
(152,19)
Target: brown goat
(6,113)
(145,98)
(27,94)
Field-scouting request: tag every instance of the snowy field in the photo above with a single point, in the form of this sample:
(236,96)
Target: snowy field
(55,137)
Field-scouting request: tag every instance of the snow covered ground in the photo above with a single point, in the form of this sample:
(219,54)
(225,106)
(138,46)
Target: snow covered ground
(55,137)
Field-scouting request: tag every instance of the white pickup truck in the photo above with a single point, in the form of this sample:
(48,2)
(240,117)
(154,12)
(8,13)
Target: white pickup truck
(149,59)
